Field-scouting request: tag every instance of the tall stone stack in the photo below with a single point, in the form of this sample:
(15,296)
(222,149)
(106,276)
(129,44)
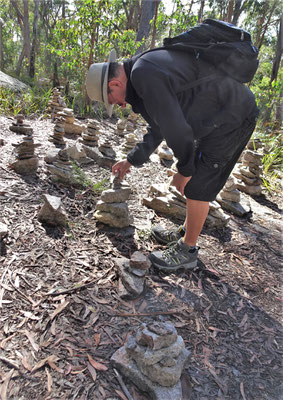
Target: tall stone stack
(56,103)
(106,149)
(249,172)
(120,127)
(132,275)
(58,133)
(132,118)
(154,359)
(90,136)
(112,209)
(25,163)
(20,126)
(166,155)
(62,170)
(130,142)
(231,200)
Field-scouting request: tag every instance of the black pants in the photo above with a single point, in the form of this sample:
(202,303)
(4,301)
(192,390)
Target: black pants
(215,159)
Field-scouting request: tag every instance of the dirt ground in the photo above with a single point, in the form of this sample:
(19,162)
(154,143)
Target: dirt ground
(61,318)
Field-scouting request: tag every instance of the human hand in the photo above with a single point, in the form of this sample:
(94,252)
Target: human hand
(180,181)
(121,168)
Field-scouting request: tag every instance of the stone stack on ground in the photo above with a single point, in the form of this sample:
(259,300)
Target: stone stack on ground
(132,275)
(153,360)
(20,126)
(120,127)
(169,201)
(248,173)
(231,200)
(71,125)
(3,236)
(52,213)
(58,133)
(56,103)
(132,118)
(106,149)
(90,136)
(63,171)
(112,208)
(130,128)
(130,141)
(25,163)
(166,155)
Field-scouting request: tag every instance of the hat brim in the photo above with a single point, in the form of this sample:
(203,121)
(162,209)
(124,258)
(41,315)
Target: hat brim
(109,107)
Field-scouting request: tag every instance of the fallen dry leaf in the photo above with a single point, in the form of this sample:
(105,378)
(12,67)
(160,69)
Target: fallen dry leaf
(59,309)
(97,365)
(41,363)
(5,384)
(92,371)
(49,380)
(97,339)
(123,397)
(30,337)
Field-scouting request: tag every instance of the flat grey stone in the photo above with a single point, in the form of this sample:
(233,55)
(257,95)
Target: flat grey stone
(140,261)
(252,156)
(137,272)
(213,222)
(27,166)
(251,190)
(116,196)
(163,205)
(233,195)
(118,209)
(129,369)
(51,212)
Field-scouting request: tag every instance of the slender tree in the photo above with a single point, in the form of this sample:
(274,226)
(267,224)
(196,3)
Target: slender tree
(34,38)
(148,10)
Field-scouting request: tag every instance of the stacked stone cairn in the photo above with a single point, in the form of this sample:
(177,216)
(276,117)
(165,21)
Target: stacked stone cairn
(166,155)
(130,141)
(56,104)
(25,163)
(112,208)
(62,170)
(132,275)
(106,149)
(231,200)
(58,133)
(19,126)
(169,201)
(133,117)
(249,172)
(120,127)
(154,359)
(90,135)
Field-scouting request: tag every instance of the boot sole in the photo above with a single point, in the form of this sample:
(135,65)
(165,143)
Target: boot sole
(188,266)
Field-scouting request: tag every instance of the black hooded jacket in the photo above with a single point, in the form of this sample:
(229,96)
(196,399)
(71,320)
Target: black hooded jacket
(158,88)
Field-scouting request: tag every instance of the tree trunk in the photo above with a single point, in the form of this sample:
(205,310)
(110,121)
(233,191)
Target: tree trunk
(1,46)
(200,13)
(265,26)
(147,13)
(230,10)
(56,82)
(154,24)
(23,19)
(34,38)
(278,55)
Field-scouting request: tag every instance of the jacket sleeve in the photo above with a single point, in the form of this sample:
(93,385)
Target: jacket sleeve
(155,88)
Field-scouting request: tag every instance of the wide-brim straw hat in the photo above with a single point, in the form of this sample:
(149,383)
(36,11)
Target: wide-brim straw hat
(97,81)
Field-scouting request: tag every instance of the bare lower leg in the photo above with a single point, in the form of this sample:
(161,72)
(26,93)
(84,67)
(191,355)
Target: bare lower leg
(196,215)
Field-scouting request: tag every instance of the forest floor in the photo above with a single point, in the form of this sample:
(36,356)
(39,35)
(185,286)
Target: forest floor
(61,318)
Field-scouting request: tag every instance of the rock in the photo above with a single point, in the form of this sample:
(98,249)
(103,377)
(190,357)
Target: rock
(22,129)
(13,84)
(147,337)
(213,222)
(119,209)
(26,166)
(51,212)
(74,129)
(3,230)
(98,157)
(76,152)
(116,196)
(145,357)
(128,368)
(51,155)
(140,261)
(253,157)
(163,205)
(251,190)
(165,153)
(112,220)
(2,142)
(240,209)
(133,284)
(233,195)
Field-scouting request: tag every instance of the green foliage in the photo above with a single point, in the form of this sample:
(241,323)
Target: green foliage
(85,182)
(34,101)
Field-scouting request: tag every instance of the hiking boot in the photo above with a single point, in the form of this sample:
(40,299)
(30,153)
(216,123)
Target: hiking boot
(165,236)
(177,256)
